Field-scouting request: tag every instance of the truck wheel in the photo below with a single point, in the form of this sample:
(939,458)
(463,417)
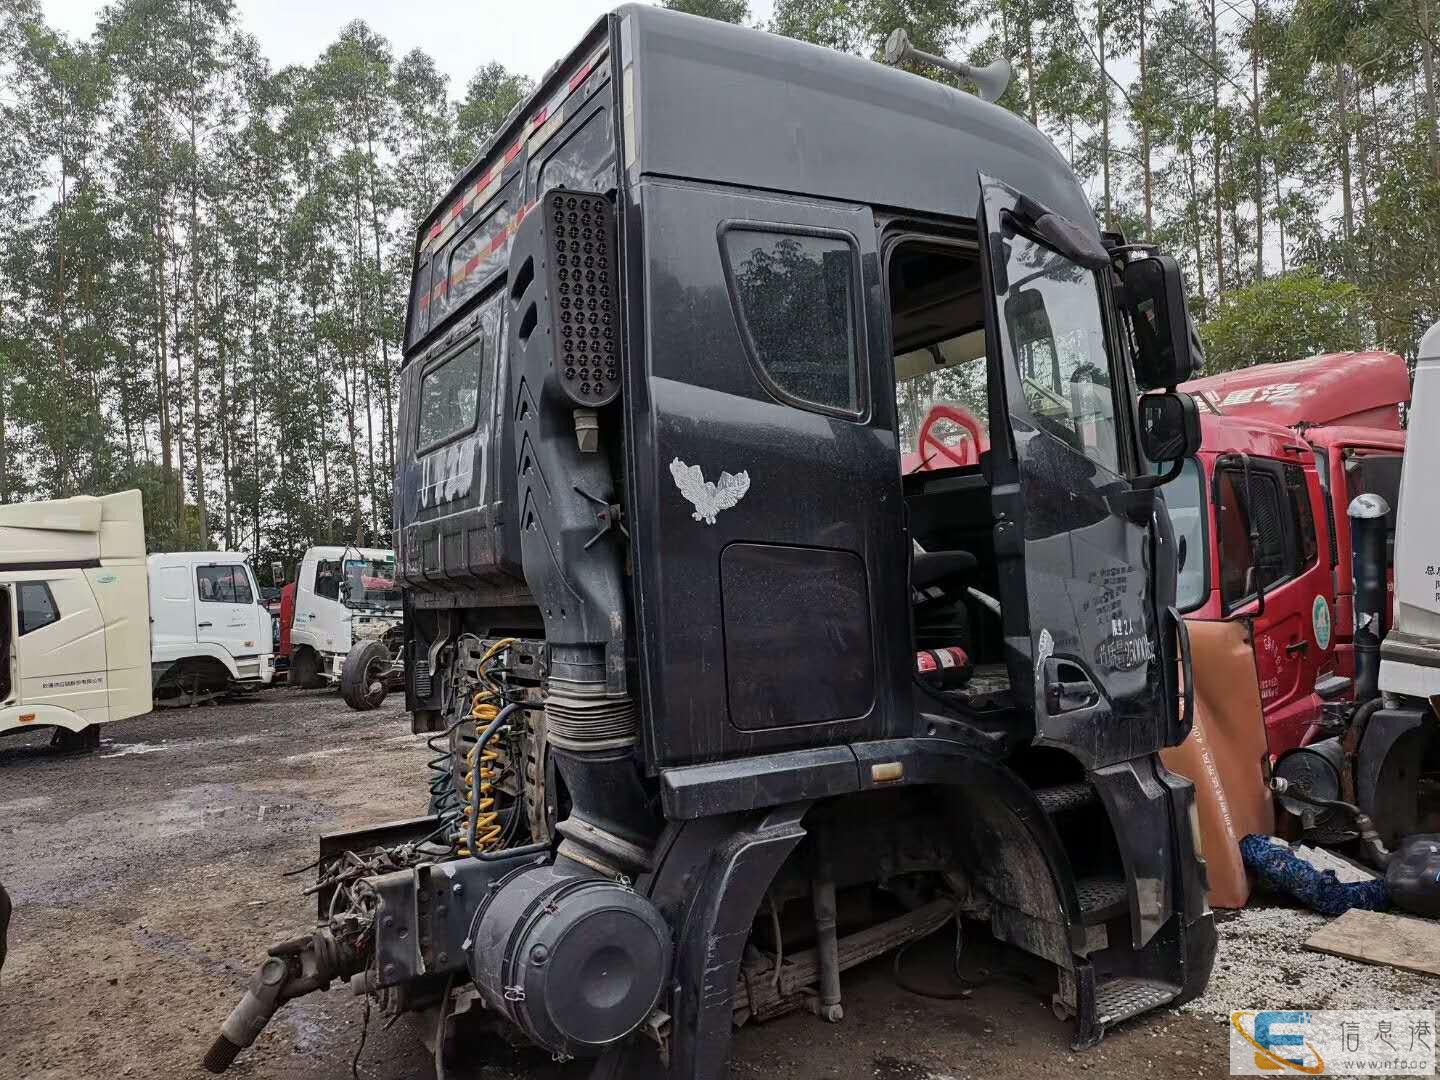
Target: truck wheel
(364,677)
(305,670)
(76,742)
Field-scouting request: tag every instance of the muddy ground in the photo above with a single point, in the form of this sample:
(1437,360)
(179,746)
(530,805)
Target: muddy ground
(147,879)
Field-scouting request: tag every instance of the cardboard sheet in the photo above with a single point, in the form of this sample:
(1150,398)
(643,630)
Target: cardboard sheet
(1224,754)
(1374,937)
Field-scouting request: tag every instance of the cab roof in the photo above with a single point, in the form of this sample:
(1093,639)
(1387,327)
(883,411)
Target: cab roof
(1357,389)
(704,100)
(731,104)
(335,551)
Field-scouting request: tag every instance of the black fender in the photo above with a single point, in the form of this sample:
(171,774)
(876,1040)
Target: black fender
(709,877)
(1387,770)
(987,794)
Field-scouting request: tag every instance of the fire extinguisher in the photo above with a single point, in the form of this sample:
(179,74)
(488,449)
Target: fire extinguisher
(944,669)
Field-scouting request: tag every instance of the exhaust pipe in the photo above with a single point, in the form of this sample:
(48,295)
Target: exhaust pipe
(1367,515)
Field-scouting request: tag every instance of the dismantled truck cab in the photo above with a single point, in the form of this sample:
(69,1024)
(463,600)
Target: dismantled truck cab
(721,703)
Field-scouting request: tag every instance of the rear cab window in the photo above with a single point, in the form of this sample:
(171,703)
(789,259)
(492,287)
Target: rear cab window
(35,606)
(795,296)
(450,394)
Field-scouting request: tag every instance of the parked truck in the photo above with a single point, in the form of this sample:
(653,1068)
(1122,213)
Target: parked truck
(211,633)
(660,565)
(1262,512)
(343,626)
(1400,746)
(74,616)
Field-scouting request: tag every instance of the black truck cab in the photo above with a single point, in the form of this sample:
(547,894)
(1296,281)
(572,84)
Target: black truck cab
(669,341)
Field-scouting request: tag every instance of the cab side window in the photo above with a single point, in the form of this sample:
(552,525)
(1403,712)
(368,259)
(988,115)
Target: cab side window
(796,300)
(36,607)
(1255,551)
(1306,544)
(327,579)
(224,584)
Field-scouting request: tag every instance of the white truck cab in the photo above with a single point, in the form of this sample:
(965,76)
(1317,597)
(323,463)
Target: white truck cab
(74,616)
(210,630)
(1410,653)
(345,599)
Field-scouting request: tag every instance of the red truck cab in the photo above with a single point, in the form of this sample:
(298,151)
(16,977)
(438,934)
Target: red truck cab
(1261,511)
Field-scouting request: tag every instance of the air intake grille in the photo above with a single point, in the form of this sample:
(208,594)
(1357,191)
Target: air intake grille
(580,231)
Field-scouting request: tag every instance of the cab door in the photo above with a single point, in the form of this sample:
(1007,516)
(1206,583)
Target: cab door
(59,643)
(765,508)
(1270,573)
(1073,533)
(225,608)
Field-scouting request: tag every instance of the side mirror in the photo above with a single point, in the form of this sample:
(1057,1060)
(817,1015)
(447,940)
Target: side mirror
(1167,350)
(1169,426)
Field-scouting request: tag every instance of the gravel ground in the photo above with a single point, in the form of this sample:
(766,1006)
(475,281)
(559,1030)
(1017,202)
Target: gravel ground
(147,882)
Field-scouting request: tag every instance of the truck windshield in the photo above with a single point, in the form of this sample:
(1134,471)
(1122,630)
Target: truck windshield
(1183,496)
(370,583)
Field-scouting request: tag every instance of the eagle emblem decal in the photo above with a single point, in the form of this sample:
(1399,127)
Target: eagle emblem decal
(707,498)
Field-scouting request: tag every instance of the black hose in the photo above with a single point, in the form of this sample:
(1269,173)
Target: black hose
(967,986)
(1361,720)
(485,736)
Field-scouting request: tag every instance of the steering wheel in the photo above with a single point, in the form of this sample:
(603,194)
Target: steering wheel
(929,445)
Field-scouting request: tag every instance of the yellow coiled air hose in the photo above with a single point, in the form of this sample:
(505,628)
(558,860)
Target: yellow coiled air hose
(480,824)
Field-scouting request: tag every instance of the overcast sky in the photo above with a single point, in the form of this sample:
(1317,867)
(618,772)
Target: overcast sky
(524,35)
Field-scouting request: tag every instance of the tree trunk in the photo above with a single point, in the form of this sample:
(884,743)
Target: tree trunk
(1197,232)
(224,417)
(1342,94)
(1147,183)
(1427,58)
(1104,111)
(162,364)
(1215,144)
(1280,220)
(1030,72)
(1259,147)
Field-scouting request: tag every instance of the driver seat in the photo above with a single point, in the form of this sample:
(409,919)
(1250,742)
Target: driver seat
(929,568)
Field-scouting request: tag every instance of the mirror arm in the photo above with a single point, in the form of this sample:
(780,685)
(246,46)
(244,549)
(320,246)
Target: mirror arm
(1150,481)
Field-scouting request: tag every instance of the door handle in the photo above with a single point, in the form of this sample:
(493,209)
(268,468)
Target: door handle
(204,624)
(1297,647)
(1064,695)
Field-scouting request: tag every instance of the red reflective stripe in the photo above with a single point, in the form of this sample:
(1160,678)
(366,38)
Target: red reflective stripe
(580,76)
(471,263)
(434,232)
(540,117)
(512,153)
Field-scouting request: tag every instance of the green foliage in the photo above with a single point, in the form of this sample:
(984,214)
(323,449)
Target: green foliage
(204,262)
(1281,318)
(731,11)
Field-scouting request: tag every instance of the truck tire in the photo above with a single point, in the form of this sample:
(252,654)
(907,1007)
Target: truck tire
(305,670)
(83,741)
(365,674)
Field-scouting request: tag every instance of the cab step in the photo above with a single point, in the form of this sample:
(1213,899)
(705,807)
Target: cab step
(1102,898)
(1120,999)
(1063,797)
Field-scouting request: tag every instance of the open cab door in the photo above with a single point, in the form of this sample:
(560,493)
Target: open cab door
(1085,550)
(1083,614)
